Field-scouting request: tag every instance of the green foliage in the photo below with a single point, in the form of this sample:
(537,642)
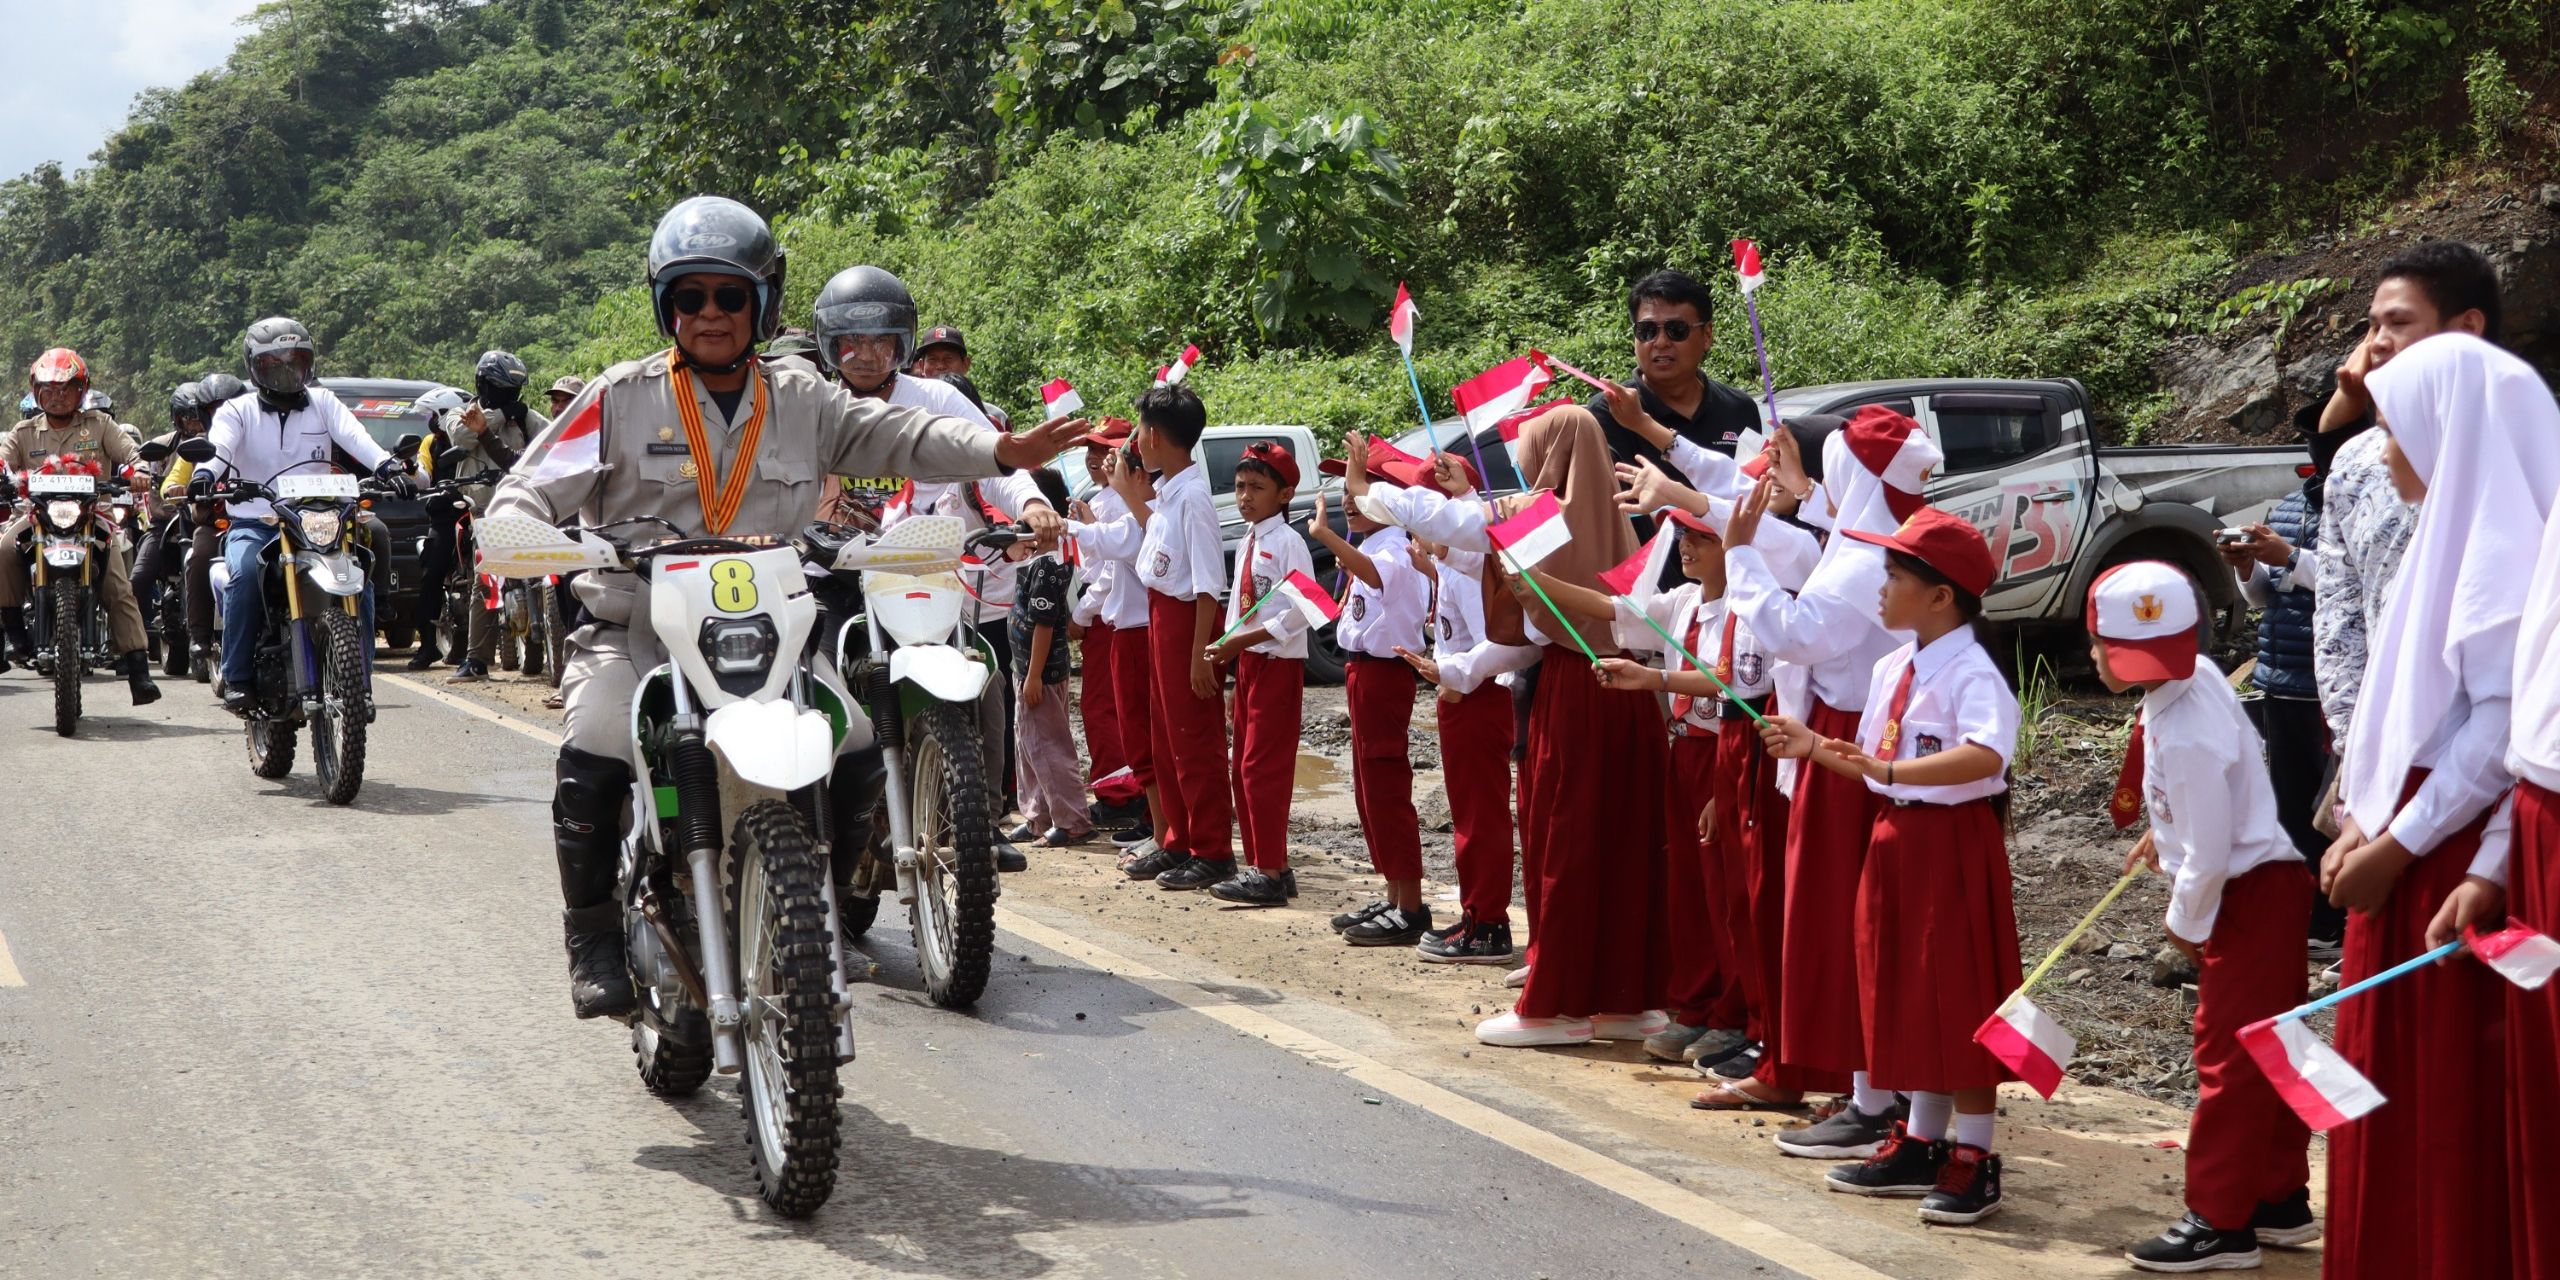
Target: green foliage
(1096,67)
(1316,198)
(2283,299)
(2497,101)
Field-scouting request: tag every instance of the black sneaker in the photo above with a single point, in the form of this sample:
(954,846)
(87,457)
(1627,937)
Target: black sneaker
(1134,836)
(468,672)
(1968,1188)
(2193,1245)
(1467,942)
(1393,927)
(2287,1223)
(1850,1134)
(1010,859)
(1744,1064)
(1253,888)
(1361,916)
(2325,950)
(1154,864)
(1118,813)
(1197,873)
(241,701)
(1903,1166)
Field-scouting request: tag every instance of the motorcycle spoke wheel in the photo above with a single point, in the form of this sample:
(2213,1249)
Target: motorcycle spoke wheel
(338,725)
(270,746)
(555,633)
(173,632)
(953,918)
(671,1039)
(67,666)
(788,1092)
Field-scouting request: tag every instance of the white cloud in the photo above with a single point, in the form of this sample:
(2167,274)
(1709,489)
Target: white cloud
(96,55)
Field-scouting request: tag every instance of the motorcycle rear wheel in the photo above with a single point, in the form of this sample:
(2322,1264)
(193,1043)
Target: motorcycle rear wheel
(271,746)
(788,1092)
(953,918)
(67,664)
(173,630)
(338,726)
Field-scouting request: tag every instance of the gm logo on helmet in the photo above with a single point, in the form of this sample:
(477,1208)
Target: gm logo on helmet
(708,240)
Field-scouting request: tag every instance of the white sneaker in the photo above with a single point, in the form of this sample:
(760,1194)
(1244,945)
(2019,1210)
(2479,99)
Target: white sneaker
(1629,1026)
(1517,978)
(1511,1031)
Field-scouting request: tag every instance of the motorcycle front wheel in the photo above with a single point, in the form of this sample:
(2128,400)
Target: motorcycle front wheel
(954,916)
(555,632)
(338,724)
(788,1091)
(67,665)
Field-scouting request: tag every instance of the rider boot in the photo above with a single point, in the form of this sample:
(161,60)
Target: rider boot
(428,653)
(21,641)
(207,655)
(137,673)
(586,834)
(853,792)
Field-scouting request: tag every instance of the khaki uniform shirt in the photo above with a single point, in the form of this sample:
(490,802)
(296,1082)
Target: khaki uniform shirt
(92,434)
(813,429)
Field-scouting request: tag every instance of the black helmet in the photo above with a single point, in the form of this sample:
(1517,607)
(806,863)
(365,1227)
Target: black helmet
(715,236)
(500,378)
(185,402)
(218,389)
(280,354)
(865,300)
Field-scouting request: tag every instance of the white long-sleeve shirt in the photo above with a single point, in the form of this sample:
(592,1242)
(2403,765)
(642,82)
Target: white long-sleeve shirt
(1109,545)
(1836,642)
(2212,808)
(1182,555)
(2467,760)
(256,443)
(1394,614)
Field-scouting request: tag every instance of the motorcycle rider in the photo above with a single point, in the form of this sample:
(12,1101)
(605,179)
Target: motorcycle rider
(152,562)
(213,390)
(670,436)
(59,382)
(307,422)
(492,433)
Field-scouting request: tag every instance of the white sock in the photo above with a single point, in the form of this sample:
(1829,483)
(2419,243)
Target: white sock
(1975,1130)
(1929,1113)
(1868,1099)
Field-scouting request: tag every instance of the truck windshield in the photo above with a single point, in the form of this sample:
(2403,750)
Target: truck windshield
(387,418)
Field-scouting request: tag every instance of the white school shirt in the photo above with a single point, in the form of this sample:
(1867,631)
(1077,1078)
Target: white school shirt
(1957,697)
(1181,554)
(1377,620)
(1467,657)
(1271,552)
(1009,494)
(1678,611)
(1109,545)
(2212,807)
(1836,642)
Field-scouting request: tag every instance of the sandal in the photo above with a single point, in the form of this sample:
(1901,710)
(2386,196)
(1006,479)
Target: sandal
(1741,1095)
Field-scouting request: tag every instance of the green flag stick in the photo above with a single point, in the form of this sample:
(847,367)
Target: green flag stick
(1703,668)
(1525,576)
(1247,615)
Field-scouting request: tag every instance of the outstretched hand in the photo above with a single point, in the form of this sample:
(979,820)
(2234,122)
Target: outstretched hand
(1745,521)
(1027,449)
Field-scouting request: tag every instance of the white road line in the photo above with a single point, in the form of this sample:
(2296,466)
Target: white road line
(1681,1205)
(9,975)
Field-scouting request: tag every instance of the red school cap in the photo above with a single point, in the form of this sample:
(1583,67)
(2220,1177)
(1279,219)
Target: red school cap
(1944,542)
(1275,455)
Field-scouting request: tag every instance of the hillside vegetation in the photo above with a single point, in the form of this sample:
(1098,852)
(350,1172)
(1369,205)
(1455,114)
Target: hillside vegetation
(2001,187)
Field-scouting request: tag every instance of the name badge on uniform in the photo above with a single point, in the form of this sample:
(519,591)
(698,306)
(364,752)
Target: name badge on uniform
(662,447)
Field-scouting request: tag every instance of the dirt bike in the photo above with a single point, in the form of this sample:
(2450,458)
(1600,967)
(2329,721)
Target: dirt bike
(314,655)
(164,611)
(525,616)
(735,949)
(65,546)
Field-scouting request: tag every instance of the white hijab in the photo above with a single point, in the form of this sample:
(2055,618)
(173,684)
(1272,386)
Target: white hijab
(2479,426)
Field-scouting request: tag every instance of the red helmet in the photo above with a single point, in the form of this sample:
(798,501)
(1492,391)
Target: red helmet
(62,364)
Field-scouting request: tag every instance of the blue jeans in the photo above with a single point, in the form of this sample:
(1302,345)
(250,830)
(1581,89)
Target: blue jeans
(244,608)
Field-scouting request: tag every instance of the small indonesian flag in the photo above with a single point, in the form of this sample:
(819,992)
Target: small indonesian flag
(1532,535)
(2519,953)
(1061,399)
(2320,1086)
(572,447)
(1309,598)
(1491,396)
(1400,320)
(1640,575)
(2027,1038)
(1173,374)
(1119,784)
(1746,263)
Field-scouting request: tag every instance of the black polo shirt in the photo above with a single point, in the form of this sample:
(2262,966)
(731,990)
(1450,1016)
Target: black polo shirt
(1723,415)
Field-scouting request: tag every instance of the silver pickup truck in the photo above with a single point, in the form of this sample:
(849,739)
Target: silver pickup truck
(2057,508)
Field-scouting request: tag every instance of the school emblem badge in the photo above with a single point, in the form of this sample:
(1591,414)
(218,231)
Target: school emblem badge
(2147,608)
(1749,667)
(1161,565)
(1448,628)
(1359,607)
(1261,588)
(2160,807)
(1928,746)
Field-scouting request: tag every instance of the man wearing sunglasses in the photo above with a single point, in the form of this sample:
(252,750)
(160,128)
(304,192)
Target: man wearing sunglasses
(1673,324)
(708,437)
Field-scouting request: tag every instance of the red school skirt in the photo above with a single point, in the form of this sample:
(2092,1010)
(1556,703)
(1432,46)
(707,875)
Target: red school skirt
(2533,1043)
(1830,821)
(1592,847)
(1937,945)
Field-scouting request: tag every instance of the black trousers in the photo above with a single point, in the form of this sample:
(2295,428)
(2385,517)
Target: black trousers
(998,633)
(2298,763)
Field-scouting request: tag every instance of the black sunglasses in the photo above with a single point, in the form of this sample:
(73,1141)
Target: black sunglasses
(1676,330)
(731,298)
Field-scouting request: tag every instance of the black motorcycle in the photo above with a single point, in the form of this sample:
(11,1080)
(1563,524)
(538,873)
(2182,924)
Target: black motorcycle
(65,546)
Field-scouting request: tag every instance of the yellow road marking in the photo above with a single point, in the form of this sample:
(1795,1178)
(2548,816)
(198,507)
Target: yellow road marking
(1681,1205)
(9,975)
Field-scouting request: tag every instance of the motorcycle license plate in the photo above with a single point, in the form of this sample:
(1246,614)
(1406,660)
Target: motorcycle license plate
(64,557)
(296,487)
(42,483)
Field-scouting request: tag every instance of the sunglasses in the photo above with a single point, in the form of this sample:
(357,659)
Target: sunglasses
(733,299)
(1676,330)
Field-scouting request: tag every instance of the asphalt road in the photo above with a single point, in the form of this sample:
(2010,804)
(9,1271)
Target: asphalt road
(259,1036)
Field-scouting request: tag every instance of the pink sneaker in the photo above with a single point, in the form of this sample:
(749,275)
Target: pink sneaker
(1511,1031)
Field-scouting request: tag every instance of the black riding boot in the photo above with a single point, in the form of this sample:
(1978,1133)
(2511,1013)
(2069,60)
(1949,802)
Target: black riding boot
(22,642)
(586,833)
(137,673)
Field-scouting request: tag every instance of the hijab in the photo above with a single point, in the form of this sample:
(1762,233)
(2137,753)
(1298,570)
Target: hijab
(1563,451)
(2479,426)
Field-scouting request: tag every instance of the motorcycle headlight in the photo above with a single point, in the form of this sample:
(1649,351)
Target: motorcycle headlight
(321,528)
(64,515)
(740,646)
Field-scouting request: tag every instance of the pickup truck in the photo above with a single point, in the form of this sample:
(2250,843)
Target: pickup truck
(387,409)
(2057,508)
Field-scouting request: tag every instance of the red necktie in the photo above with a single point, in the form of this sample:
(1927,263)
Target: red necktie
(1724,655)
(1893,711)
(1245,600)
(1681,702)
(2125,806)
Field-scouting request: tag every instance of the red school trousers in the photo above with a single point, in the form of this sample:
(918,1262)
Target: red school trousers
(1190,740)
(1270,693)
(2417,1191)
(1380,691)
(1098,703)
(1747,799)
(2245,1147)
(1704,989)
(1475,764)
(2533,1043)
(1133,696)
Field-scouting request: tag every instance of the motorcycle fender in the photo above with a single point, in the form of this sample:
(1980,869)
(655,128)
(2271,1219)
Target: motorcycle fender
(773,744)
(337,574)
(939,670)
